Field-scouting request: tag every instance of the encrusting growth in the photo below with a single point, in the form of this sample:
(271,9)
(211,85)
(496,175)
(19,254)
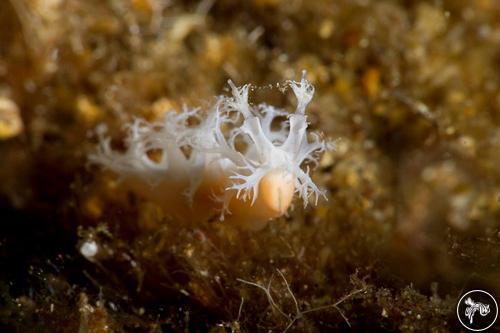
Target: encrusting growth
(232,160)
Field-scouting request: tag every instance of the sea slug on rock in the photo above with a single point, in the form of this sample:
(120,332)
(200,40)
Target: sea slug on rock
(232,160)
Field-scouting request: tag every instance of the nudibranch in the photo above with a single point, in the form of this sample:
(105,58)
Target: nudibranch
(240,162)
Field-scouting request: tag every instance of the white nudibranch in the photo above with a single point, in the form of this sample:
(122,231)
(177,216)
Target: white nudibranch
(238,161)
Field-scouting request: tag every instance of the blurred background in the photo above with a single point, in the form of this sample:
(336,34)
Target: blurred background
(409,91)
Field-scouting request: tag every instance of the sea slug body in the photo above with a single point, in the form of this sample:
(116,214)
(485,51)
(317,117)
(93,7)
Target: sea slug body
(196,171)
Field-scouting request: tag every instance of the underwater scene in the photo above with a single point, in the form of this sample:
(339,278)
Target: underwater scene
(249,166)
